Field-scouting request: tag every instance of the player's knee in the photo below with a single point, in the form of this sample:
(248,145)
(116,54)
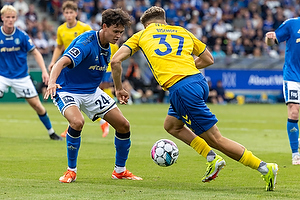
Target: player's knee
(77,123)
(123,127)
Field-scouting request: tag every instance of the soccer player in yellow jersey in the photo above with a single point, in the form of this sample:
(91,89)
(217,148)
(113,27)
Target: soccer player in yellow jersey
(169,51)
(68,31)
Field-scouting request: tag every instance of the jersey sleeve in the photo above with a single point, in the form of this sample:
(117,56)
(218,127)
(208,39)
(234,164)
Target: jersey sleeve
(199,46)
(29,44)
(88,28)
(77,53)
(133,42)
(282,32)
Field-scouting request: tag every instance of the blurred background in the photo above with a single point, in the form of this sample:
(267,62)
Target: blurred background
(246,70)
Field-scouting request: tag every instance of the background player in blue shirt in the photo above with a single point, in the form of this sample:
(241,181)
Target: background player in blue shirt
(14,46)
(74,85)
(289,31)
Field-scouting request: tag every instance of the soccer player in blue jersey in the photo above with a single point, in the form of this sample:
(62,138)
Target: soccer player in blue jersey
(14,46)
(74,85)
(169,51)
(289,31)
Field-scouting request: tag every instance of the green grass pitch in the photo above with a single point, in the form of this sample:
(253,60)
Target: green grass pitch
(30,163)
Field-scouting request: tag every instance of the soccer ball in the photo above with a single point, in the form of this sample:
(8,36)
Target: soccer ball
(164,152)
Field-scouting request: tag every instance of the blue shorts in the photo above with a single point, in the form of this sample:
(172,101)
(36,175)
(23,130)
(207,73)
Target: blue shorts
(188,103)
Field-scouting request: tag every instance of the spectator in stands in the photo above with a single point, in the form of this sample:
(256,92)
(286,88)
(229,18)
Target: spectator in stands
(93,24)
(218,52)
(55,5)
(238,47)
(31,20)
(41,44)
(8,2)
(20,23)
(133,75)
(21,6)
(212,95)
(157,90)
(257,52)
(194,27)
(220,92)
(215,10)
(52,42)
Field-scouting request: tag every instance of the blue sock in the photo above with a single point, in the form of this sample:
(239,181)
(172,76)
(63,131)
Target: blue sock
(46,121)
(122,145)
(73,139)
(293,133)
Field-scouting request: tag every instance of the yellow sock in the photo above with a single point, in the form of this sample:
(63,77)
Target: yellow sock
(200,146)
(248,159)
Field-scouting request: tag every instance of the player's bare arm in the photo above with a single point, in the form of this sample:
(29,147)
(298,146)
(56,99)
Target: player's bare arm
(56,70)
(204,60)
(270,38)
(116,68)
(40,61)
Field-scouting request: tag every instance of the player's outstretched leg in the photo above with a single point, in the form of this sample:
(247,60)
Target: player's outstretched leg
(213,169)
(270,177)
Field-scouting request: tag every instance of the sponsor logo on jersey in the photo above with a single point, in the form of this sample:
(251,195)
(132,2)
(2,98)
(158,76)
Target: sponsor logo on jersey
(11,49)
(293,95)
(97,67)
(17,41)
(74,52)
(9,38)
(30,41)
(68,99)
(1,42)
(104,53)
(298,40)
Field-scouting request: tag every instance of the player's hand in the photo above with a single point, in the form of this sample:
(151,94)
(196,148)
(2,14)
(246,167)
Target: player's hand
(271,35)
(51,90)
(122,96)
(45,78)
(50,67)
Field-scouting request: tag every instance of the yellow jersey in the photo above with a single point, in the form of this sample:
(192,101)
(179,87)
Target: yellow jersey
(168,50)
(66,35)
(113,49)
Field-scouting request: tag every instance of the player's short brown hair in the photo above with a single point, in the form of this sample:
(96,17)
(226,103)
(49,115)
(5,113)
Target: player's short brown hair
(70,5)
(153,13)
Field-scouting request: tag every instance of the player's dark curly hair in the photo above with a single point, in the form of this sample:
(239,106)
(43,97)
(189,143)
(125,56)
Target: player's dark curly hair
(116,17)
